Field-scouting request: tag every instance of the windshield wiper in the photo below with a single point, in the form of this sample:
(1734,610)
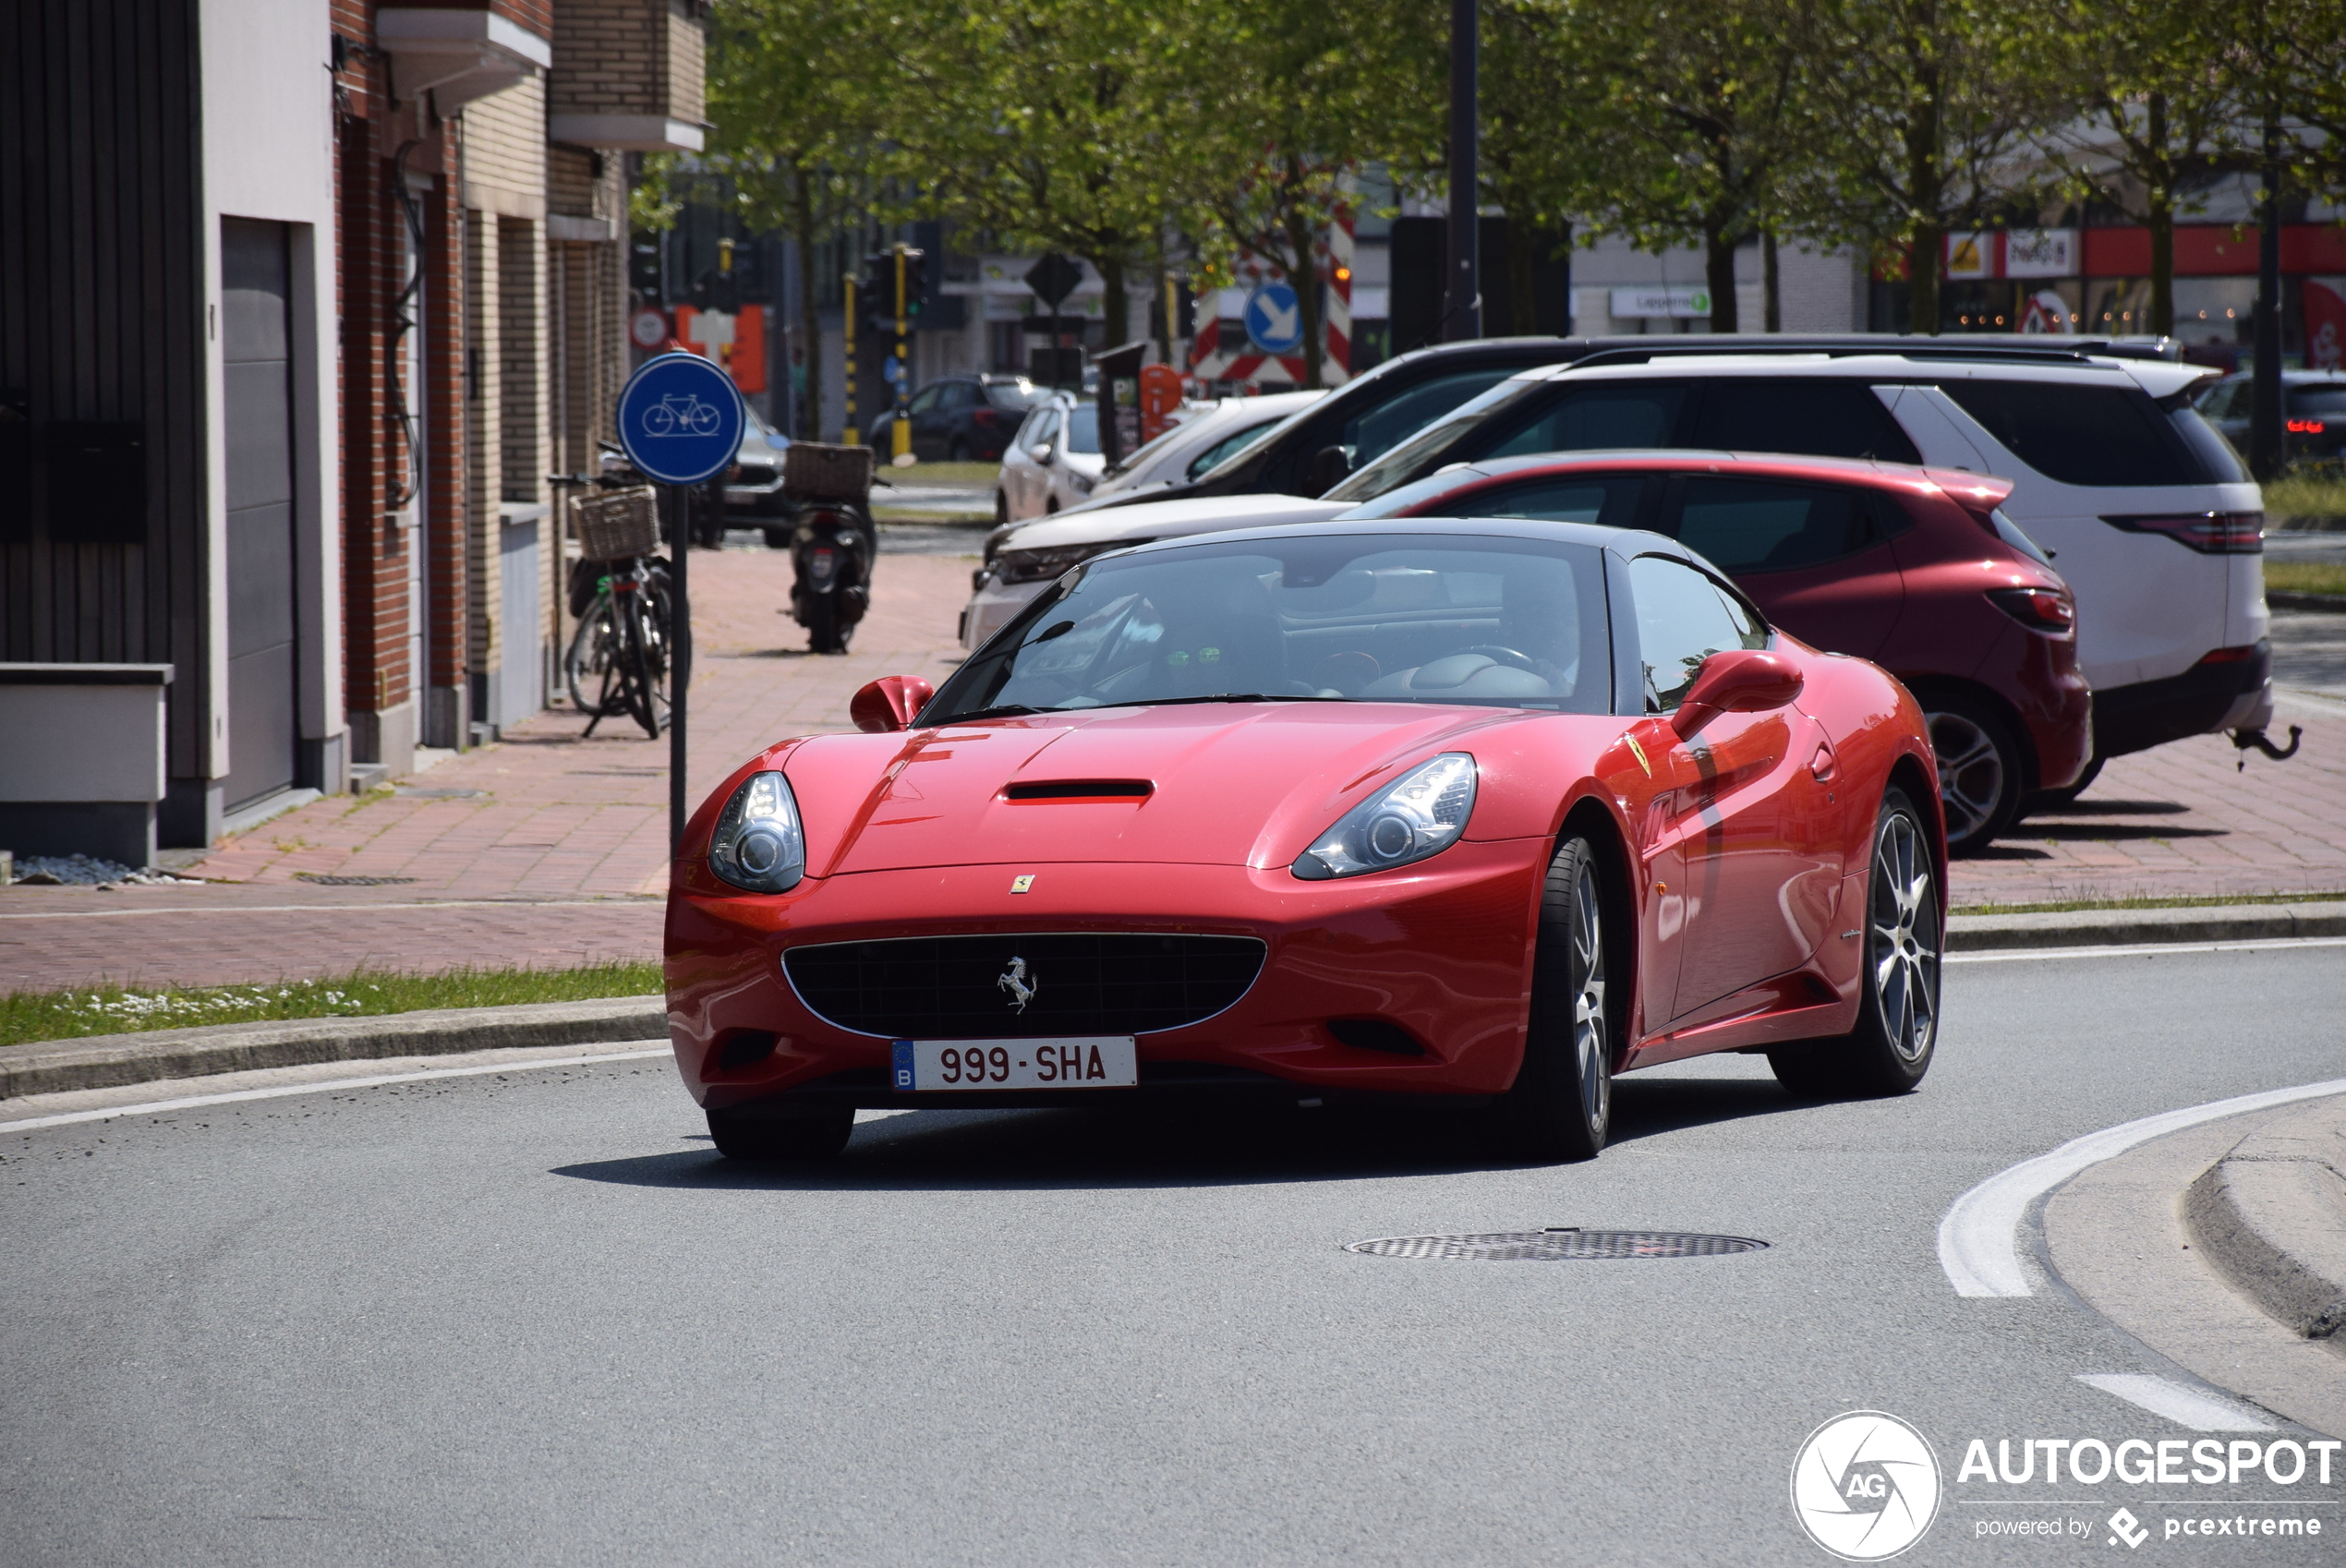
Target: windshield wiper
(1008,710)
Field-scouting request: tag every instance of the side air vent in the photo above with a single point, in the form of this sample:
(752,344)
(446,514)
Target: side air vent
(1079,789)
(1375,1035)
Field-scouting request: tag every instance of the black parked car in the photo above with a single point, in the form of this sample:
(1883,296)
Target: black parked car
(2313,412)
(961,419)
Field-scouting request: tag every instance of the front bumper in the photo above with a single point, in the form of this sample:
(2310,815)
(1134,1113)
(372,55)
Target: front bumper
(1440,950)
(2236,694)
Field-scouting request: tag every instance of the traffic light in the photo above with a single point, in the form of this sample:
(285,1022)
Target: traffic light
(876,293)
(915,285)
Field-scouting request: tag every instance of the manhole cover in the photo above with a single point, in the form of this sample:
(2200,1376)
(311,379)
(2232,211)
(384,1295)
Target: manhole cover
(324,881)
(1557,1245)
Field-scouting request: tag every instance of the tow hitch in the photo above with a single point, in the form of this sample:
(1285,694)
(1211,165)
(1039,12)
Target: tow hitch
(2245,741)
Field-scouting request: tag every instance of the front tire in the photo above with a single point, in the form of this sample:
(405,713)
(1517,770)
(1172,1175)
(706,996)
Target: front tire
(824,634)
(802,1137)
(1898,1005)
(1561,1106)
(1979,768)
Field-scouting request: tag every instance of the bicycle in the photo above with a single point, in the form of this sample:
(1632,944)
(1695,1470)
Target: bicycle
(619,657)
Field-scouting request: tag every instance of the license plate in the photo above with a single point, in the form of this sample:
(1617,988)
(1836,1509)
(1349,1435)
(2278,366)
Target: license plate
(1093,1062)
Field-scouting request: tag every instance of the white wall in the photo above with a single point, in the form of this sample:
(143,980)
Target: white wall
(268,154)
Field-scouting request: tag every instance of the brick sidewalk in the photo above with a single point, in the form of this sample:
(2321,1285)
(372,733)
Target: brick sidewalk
(549,849)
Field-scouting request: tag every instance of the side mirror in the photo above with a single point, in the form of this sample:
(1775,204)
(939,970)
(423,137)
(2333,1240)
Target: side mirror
(1040,451)
(1330,465)
(889,703)
(1736,681)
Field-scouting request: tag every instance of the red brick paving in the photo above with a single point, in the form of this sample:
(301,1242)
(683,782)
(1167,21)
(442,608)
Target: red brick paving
(561,858)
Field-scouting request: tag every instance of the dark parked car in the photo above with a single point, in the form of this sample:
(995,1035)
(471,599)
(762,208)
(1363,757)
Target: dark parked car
(1912,568)
(961,419)
(2313,412)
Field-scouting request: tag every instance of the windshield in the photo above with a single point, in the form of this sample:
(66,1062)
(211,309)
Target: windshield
(1428,445)
(1230,446)
(1482,620)
(1015,395)
(1083,427)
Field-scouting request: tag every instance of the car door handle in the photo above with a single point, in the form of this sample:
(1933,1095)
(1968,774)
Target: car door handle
(1820,765)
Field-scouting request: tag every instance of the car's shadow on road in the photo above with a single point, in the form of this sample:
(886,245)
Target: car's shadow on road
(1138,1147)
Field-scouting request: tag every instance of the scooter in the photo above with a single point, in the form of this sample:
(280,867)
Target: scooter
(832,542)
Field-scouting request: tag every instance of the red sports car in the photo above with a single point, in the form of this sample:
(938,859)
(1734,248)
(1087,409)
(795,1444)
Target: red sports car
(1486,812)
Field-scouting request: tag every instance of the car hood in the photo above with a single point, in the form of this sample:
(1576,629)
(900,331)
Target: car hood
(1226,784)
(1168,519)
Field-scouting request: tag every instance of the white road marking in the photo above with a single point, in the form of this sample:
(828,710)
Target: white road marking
(1979,1237)
(155,1107)
(2141,949)
(2184,1406)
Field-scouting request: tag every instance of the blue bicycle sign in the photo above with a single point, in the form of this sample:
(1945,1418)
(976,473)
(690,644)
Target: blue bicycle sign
(679,419)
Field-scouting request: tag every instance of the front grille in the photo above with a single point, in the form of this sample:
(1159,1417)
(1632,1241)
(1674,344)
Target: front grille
(969,987)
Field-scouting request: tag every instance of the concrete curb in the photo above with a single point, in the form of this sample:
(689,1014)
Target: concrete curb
(2108,928)
(108,1060)
(2271,1215)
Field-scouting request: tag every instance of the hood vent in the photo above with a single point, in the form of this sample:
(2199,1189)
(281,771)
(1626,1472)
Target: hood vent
(1079,789)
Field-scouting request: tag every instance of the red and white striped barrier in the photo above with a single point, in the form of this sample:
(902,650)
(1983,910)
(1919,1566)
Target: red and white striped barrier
(1212,360)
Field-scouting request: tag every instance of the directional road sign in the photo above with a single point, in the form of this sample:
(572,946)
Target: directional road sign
(1275,318)
(679,419)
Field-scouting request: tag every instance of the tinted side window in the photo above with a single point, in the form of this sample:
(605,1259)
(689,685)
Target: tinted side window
(1580,497)
(2078,435)
(2217,460)
(1371,431)
(1743,526)
(926,400)
(1227,447)
(1593,419)
(1682,618)
(1815,416)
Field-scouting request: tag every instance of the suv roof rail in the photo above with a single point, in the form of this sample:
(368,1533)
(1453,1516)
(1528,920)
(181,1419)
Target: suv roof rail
(2047,349)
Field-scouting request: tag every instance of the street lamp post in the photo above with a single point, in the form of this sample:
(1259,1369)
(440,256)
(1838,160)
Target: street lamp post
(2264,400)
(1463,320)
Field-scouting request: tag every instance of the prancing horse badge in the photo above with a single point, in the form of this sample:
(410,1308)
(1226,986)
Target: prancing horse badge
(1020,884)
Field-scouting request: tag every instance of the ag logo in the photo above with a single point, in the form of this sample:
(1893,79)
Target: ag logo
(1864,1485)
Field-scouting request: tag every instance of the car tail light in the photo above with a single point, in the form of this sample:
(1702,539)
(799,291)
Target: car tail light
(2230,655)
(2306,427)
(2210,533)
(2040,609)
(986,418)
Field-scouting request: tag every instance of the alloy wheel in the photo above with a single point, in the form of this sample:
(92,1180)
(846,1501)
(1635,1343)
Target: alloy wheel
(1590,1038)
(1971,773)
(1905,945)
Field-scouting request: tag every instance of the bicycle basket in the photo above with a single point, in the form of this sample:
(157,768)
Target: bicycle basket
(617,523)
(812,471)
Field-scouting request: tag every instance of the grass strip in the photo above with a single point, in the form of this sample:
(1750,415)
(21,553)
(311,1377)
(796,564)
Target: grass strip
(2306,494)
(2214,900)
(2305,576)
(29,1016)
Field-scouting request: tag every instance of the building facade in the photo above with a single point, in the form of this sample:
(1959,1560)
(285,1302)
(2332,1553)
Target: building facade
(301,304)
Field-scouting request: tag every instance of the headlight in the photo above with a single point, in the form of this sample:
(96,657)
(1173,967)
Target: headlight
(1043,565)
(758,845)
(1422,815)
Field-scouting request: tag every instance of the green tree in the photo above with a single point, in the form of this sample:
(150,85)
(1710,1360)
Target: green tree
(1922,109)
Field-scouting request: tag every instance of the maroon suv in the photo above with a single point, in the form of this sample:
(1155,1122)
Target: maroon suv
(1912,568)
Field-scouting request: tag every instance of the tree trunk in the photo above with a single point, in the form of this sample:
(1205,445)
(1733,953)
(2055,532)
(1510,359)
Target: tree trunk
(1719,272)
(1303,276)
(807,413)
(1925,188)
(1770,284)
(1523,271)
(2161,215)
(1115,310)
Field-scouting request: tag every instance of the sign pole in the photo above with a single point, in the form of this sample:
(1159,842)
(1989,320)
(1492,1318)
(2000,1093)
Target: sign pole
(680,664)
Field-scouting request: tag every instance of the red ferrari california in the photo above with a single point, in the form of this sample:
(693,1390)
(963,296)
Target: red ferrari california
(1480,813)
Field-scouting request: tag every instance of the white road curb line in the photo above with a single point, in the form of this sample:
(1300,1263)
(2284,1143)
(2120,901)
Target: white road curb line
(152,1107)
(2186,1406)
(1980,1238)
(2139,949)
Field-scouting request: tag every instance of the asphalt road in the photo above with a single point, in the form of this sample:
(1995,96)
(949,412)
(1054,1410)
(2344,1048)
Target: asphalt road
(534,1319)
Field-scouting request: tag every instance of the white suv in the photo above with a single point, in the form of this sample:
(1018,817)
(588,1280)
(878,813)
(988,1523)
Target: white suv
(2144,507)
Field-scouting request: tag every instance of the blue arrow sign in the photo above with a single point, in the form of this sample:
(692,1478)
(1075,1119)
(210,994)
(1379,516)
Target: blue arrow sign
(679,419)
(1275,318)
